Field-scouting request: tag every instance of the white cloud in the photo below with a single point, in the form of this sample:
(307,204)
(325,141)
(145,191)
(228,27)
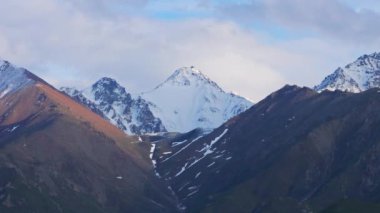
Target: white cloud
(67,46)
(71,43)
(333,18)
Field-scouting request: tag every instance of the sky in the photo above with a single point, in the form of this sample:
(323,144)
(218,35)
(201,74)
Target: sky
(250,47)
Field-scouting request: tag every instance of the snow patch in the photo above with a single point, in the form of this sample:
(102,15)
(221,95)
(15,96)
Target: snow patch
(13,128)
(182,170)
(174,144)
(183,148)
(152,148)
(211,164)
(154,162)
(207,150)
(218,156)
(192,193)
(198,174)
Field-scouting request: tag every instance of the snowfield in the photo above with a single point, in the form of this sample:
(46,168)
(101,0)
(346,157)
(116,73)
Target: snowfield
(188,100)
(185,101)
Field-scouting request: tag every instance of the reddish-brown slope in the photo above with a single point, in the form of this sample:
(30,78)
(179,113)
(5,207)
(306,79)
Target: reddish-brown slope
(60,156)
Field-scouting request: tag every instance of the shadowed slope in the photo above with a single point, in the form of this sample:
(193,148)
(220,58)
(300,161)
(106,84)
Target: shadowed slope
(295,151)
(58,156)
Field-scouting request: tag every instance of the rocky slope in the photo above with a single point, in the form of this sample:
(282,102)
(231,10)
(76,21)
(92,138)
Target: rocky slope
(12,78)
(295,151)
(110,100)
(188,100)
(185,101)
(361,75)
(58,156)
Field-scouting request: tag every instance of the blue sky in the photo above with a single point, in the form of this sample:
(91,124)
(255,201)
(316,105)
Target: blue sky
(252,47)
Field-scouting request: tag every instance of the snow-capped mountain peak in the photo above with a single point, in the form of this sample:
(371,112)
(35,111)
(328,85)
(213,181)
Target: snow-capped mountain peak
(12,78)
(108,85)
(107,90)
(361,75)
(188,99)
(375,55)
(110,100)
(188,76)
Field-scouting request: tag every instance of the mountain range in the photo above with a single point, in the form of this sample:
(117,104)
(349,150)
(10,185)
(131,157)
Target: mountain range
(58,156)
(297,150)
(358,76)
(188,99)
(185,101)
(111,101)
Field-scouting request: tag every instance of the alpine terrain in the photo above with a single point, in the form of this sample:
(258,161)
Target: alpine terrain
(185,101)
(295,151)
(58,156)
(188,100)
(110,100)
(362,74)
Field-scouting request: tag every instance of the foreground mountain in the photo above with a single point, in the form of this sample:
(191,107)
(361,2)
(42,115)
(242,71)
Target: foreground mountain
(111,101)
(295,151)
(361,75)
(58,156)
(188,100)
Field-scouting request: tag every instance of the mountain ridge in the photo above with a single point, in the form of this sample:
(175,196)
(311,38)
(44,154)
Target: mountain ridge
(188,99)
(297,150)
(110,100)
(144,113)
(358,76)
(58,156)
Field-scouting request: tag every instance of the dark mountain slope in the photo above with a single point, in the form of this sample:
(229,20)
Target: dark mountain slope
(58,156)
(295,151)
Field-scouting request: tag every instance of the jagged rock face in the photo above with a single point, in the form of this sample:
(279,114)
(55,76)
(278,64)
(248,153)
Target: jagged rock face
(107,91)
(188,100)
(110,100)
(361,75)
(185,101)
(12,78)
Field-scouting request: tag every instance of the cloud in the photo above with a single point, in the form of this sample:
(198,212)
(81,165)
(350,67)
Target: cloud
(74,43)
(332,18)
(69,46)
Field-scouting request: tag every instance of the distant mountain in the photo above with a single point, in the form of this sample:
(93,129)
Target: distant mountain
(295,151)
(361,75)
(58,156)
(188,100)
(185,101)
(110,100)
(79,97)
(13,78)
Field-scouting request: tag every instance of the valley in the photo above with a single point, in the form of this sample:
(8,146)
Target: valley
(103,149)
